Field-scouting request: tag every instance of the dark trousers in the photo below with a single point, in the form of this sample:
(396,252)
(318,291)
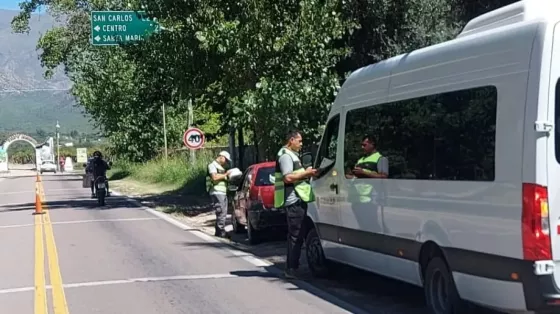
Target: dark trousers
(296,232)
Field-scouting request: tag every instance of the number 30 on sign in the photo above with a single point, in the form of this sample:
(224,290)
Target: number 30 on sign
(193,138)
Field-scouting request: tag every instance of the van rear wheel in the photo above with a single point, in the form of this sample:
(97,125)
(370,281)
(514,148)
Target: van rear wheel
(440,291)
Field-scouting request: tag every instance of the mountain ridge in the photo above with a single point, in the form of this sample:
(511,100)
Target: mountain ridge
(28,101)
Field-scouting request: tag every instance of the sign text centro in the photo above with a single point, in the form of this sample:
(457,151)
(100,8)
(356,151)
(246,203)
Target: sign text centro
(110,28)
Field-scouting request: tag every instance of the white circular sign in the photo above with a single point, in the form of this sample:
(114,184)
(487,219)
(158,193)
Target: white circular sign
(193,138)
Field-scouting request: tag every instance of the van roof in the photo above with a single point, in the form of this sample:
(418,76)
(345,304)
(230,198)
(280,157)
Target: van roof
(377,76)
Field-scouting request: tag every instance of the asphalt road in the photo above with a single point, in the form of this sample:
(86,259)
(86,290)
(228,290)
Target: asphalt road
(80,258)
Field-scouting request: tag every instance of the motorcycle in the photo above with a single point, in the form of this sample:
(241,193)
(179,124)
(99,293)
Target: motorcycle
(100,185)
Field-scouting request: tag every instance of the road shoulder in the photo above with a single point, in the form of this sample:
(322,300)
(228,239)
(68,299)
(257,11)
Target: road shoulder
(373,293)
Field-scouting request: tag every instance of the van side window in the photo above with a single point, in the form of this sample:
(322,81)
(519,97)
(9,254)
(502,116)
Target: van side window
(449,136)
(326,154)
(557,122)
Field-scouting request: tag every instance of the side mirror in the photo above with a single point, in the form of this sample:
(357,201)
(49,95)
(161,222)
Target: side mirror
(110,164)
(306,160)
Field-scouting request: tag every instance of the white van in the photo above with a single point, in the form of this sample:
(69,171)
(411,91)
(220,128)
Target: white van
(471,205)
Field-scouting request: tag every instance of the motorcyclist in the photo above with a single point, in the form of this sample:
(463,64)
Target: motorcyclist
(100,168)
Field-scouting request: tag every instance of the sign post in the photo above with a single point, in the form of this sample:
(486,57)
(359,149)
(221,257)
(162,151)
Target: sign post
(111,28)
(81,155)
(193,138)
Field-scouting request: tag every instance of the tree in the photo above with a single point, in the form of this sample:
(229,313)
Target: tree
(262,66)
(42,134)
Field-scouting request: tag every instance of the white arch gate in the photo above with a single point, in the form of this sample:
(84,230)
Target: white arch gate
(4,158)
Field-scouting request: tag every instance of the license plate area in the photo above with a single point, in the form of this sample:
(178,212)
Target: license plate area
(100,185)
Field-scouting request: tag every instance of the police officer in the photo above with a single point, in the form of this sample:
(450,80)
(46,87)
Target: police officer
(293,192)
(216,185)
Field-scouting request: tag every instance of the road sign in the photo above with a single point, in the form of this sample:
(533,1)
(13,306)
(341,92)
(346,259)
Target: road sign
(193,138)
(111,28)
(81,154)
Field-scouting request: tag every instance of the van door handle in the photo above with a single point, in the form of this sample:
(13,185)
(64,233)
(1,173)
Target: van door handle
(334,187)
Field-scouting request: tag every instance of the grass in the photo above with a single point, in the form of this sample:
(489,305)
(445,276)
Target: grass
(177,173)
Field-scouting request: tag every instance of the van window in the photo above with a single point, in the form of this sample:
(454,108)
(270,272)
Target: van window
(448,136)
(264,175)
(557,122)
(326,154)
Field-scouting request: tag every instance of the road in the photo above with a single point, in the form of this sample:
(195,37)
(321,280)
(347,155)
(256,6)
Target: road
(79,258)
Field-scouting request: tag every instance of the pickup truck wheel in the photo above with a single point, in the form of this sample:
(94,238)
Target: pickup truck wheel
(237,227)
(252,234)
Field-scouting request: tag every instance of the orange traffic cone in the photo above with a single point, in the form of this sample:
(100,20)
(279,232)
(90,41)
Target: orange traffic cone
(38,204)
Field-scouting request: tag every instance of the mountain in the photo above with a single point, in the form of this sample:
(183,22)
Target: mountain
(29,111)
(20,69)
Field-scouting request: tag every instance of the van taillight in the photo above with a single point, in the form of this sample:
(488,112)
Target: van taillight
(535,224)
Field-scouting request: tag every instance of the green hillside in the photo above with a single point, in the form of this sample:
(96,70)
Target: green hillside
(29,111)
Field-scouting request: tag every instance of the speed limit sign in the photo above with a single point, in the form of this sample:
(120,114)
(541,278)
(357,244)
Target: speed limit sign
(193,138)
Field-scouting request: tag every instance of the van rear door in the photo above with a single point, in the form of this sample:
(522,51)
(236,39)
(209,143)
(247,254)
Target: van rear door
(553,159)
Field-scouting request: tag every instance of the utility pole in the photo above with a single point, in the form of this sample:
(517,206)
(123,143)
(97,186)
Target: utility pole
(57,146)
(240,147)
(164,130)
(231,143)
(191,119)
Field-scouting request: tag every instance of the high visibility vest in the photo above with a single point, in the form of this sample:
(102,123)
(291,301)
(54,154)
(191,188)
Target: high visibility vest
(216,186)
(369,164)
(302,188)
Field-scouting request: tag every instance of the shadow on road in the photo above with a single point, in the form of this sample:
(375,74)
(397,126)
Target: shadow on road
(81,203)
(373,293)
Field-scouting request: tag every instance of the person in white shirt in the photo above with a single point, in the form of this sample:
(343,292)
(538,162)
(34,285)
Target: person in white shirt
(217,188)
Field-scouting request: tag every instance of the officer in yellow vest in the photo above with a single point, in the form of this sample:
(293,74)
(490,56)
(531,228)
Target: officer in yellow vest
(371,165)
(216,185)
(292,192)
(370,193)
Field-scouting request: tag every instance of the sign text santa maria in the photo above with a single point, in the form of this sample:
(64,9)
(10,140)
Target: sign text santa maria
(110,28)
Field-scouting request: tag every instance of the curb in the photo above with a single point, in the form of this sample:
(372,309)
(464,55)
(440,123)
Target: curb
(247,256)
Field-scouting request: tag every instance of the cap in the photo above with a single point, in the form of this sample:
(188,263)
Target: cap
(225,154)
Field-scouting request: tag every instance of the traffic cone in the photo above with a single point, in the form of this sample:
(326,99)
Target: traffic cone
(38,200)
(38,205)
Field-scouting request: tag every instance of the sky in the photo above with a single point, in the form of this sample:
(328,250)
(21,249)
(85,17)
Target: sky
(10,4)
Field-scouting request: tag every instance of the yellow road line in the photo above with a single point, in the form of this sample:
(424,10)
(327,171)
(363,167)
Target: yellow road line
(40,286)
(59,298)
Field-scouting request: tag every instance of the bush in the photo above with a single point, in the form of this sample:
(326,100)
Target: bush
(177,171)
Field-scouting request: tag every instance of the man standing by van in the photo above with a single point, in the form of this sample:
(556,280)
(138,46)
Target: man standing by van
(293,192)
(216,186)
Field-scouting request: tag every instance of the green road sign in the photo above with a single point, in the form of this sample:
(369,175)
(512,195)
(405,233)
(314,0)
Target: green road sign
(111,28)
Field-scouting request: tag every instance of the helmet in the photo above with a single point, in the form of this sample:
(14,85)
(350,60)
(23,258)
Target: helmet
(97,154)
